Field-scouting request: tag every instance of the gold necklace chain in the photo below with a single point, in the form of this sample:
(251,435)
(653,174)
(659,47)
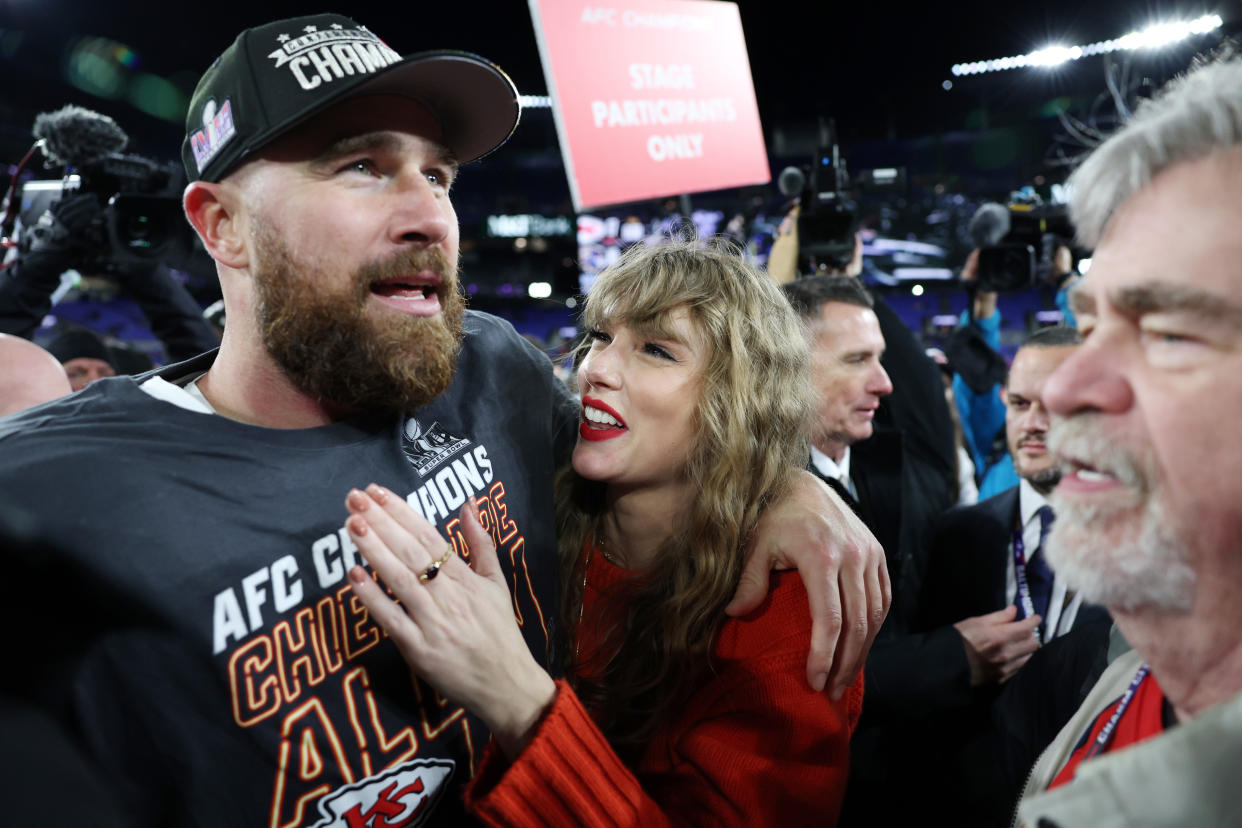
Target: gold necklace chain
(600,544)
(597,543)
(603,550)
(586,564)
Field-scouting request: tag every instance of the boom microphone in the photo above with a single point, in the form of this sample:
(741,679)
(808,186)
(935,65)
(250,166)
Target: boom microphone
(989,225)
(76,136)
(790,182)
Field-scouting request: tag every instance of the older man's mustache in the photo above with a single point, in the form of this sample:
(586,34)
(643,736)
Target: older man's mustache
(1080,443)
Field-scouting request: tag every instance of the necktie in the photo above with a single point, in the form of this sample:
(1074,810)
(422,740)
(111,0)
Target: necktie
(1038,575)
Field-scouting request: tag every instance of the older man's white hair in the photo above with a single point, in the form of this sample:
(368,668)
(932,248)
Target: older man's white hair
(1193,116)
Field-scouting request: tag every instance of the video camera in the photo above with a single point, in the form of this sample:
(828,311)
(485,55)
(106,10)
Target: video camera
(1017,242)
(125,208)
(828,218)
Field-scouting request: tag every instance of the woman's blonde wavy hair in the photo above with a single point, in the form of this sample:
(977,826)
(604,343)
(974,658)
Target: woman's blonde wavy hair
(750,426)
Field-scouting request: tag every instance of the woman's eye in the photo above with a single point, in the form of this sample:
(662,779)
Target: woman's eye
(656,350)
(596,335)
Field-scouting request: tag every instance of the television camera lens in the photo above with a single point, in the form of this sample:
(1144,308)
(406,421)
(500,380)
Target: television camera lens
(144,225)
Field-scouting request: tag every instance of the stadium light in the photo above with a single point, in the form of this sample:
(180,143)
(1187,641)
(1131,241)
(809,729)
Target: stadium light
(1152,37)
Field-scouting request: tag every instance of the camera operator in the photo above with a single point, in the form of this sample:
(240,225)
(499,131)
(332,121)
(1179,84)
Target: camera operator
(29,281)
(979,375)
(1064,277)
(785,252)
(975,353)
(79,231)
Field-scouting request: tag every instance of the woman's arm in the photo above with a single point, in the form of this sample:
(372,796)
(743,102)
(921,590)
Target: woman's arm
(753,746)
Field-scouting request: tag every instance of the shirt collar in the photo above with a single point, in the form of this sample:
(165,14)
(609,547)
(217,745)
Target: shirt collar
(831,468)
(1029,501)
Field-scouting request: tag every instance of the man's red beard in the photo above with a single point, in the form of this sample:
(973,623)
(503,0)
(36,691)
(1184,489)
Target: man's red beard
(334,348)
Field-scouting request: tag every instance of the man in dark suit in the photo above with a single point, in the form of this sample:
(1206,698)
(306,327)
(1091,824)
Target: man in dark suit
(887,445)
(882,434)
(986,576)
(989,589)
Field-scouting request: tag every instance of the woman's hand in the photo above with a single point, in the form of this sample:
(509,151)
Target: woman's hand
(456,626)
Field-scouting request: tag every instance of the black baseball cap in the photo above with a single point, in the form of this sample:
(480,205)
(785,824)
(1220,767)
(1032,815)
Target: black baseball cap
(275,76)
(78,343)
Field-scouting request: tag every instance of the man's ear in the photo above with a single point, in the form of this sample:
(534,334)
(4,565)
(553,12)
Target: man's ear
(213,211)
(1003,394)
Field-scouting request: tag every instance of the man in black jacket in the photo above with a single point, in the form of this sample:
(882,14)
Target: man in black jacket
(989,589)
(985,569)
(884,436)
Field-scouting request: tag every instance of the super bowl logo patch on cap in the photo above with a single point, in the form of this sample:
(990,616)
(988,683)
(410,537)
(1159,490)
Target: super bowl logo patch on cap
(316,56)
(217,131)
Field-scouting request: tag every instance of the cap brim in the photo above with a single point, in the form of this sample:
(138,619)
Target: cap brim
(472,98)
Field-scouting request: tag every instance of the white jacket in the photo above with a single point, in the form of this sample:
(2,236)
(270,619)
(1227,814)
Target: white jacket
(1189,776)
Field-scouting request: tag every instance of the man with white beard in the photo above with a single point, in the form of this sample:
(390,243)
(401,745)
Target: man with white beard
(1149,510)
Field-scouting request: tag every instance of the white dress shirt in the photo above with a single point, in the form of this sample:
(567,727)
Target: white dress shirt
(839,472)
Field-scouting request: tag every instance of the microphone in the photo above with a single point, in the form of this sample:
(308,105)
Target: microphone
(76,136)
(790,182)
(989,225)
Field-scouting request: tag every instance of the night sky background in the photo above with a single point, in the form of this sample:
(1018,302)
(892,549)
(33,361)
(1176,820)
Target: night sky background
(878,69)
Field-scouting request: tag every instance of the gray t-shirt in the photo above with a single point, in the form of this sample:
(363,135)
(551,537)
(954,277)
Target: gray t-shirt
(188,614)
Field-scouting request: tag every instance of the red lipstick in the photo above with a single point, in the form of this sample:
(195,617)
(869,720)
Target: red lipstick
(595,432)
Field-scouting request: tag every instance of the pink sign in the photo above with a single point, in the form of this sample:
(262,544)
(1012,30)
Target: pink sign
(652,98)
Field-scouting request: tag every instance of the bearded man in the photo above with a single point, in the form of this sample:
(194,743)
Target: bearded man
(1148,517)
(204,647)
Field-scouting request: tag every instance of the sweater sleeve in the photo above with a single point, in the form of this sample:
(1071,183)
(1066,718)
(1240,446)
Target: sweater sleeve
(567,775)
(756,746)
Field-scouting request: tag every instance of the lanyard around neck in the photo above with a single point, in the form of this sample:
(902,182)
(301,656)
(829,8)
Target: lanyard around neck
(1109,730)
(1024,587)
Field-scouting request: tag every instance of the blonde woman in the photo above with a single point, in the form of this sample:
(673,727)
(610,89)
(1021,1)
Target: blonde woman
(694,404)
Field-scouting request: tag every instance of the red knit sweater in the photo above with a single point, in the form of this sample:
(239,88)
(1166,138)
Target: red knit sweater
(754,745)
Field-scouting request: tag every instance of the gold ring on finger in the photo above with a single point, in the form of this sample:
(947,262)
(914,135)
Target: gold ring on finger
(434,570)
